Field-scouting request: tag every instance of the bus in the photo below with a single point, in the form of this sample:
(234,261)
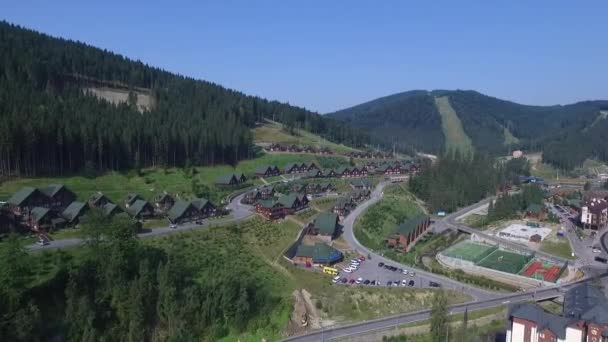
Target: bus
(330,270)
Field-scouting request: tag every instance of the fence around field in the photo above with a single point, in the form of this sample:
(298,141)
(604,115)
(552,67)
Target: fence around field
(463,250)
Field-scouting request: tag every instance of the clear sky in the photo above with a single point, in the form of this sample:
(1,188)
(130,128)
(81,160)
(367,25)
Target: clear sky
(328,55)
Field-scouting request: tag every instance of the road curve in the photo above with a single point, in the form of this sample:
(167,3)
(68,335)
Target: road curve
(349,236)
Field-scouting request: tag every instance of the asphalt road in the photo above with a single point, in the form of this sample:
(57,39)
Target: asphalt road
(423,278)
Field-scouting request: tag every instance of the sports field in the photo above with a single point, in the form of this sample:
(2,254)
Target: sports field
(505,261)
(542,270)
(469,251)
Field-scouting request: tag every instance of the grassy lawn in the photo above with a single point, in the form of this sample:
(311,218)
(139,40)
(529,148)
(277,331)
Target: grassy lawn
(383,217)
(455,136)
(324,204)
(559,248)
(307,215)
(272,132)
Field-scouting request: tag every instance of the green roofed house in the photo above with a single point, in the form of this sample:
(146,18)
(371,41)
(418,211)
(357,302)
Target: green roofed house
(131,198)
(536,211)
(73,212)
(204,206)
(182,212)
(291,168)
(319,254)
(140,209)
(314,173)
(26,199)
(232,179)
(407,233)
(110,209)
(325,226)
(343,206)
(270,209)
(163,202)
(267,171)
(98,200)
(343,172)
(329,173)
(362,184)
(293,202)
(60,196)
(39,219)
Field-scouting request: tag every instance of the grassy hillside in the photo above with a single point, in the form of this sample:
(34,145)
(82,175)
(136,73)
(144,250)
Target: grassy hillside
(455,137)
(116,185)
(273,132)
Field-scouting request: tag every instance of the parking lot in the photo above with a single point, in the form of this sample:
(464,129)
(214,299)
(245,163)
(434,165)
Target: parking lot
(369,271)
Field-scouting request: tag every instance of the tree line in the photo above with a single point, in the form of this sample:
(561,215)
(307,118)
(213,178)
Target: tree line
(118,289)
(52,126)
(457,180)
(509,206)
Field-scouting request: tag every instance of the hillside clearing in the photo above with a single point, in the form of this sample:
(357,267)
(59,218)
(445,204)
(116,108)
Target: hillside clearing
(273,132)
(509,137)
(455,137)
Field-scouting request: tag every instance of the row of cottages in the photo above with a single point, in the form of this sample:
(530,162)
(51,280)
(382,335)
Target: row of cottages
(312,188)
(298,168)
(347,172)
(343,206)
(273,209)
(267,171)
(191,211)
(298,149)
(408,232)
(259,194)
(233,179)
(318,254)
(54,197)
(325,227)
(371,155)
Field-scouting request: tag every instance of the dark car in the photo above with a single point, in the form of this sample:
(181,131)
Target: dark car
(198,221)
(434,284)
(410,283)
(388,267)
(352,281)
(393,268)
(389,283)
(366,282)
(373,282)
(343,280)
(400,270)
(380,264)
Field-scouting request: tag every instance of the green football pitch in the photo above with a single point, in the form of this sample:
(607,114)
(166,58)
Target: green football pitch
(469,251)
(505,261)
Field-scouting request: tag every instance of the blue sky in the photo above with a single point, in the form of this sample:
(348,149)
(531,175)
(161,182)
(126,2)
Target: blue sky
(328,55)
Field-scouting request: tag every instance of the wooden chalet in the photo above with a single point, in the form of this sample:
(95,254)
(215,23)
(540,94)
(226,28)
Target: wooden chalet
(311,166)
(132,198)
(233,179)
(318,254)
(98,200)
(358,196)
(294,148)
(110,209)
(263,193)
(343,172)
(270,209)
(389,169)
(362,184)
(325,150)
(343,206)
(141,209)
(26,199)
(205,207)
(267,171)
(314,173)
(325,226)
(292,168)
(73,212)
(163,202)
(407,233)
(39,219)
(329,173)
(59,196)
(317,188)
(182,212)
(293,202)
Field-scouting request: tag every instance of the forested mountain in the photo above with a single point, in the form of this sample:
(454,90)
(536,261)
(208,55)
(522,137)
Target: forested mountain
(411,119)
(51,125)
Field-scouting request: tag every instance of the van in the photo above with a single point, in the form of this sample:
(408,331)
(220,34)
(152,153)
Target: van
(330,271)
(601,259)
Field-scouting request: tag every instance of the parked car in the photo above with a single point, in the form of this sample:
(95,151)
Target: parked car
(404,271)
(347,270)
(335,280)
(403,282)
(344,280)
(389,283)
(366,282)
(380,264)
(373,282)
(434,284)
(393,268)
(410,283)
(352,281)
(359,280)
(43,242)
(173,226)
(361,258)
(412,273)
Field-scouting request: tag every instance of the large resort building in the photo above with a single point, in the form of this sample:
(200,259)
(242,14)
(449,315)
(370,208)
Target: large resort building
(584,318)
(407,233)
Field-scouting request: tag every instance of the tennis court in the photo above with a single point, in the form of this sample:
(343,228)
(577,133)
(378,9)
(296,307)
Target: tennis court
(469,251)
(542,270)
(505,261)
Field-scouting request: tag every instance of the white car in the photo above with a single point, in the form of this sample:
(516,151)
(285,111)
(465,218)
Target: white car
(42,242)
(403,283)
(359,280)
(347,270)
(404,272)
(596,250)
(335,280)
(173,226)
(412,273)
(378,283)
